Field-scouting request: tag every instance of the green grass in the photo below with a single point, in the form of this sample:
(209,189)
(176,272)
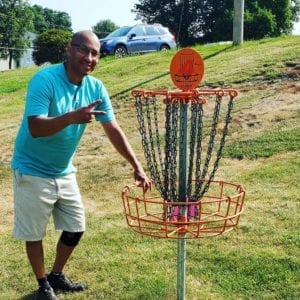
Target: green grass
(257,260)
(265,145)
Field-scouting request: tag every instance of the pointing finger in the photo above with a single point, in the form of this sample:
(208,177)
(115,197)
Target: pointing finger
(97,112)
(95,103)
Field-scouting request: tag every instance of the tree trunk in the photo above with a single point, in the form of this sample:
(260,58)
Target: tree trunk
(238,22)
(10,59)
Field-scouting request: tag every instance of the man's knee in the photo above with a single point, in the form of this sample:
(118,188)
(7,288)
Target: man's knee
(71,238)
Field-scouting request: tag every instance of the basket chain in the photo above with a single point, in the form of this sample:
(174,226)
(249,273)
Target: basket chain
(164,170)
(171,125)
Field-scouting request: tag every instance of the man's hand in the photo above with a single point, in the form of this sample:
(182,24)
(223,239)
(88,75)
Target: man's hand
(85,114)
(142,180)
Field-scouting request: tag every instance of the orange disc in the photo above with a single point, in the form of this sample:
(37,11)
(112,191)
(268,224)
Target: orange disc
(187,69)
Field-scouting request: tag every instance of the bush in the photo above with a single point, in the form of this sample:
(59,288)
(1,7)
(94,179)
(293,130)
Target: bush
(50,46)
(260,24)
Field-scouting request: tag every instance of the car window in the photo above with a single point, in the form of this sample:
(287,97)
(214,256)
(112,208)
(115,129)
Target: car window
(138,30)
(120,32)
(163,30)
(151,30)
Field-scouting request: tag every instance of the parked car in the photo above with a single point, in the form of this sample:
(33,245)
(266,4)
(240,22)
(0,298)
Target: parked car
(137,39)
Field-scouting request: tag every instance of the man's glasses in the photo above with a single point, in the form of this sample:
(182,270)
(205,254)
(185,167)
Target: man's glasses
(82,48)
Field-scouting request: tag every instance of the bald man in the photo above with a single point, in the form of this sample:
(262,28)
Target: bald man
(61,100)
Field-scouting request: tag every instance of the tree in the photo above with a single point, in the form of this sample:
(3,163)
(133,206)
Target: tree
(46,19)
(15,20)
(194,21)
(190,20)
(260,24)
(262,18)
(181,17)
(50,46)
(104,27)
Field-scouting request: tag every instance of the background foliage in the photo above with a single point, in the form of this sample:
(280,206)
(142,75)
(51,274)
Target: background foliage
(16,19)
(194,21)
(104,27)
(50,46)
(46,19)
(191,21)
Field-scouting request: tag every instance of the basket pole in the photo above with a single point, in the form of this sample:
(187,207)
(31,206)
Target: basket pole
(181,247)
(181,259)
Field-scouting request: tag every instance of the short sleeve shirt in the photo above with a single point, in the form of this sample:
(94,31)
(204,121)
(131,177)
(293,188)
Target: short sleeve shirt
(51,94)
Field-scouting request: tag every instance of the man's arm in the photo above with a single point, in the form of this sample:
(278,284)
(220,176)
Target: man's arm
(121,144)
(45,126)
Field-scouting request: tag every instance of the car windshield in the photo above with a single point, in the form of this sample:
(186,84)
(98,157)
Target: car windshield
(120,32)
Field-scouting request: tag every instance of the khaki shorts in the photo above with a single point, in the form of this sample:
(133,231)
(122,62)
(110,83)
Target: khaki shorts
(36,199)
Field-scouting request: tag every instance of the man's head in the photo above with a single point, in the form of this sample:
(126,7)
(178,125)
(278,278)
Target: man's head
(82,54)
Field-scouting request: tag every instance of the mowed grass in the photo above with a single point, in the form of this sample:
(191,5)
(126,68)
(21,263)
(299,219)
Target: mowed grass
(257,260)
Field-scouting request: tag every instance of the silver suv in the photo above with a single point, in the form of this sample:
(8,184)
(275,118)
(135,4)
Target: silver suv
(137,39)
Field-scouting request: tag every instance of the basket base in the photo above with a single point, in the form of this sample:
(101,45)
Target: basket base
(213,215)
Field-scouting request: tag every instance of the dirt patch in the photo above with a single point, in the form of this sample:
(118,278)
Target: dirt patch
(282,103)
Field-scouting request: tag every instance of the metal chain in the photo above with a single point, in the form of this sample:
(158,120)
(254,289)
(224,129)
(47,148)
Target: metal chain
(164,170)
(195,130)
(168,145)
(151,103)
(145,141)
(213,132)
(173,152)
(221,146)
(198,181)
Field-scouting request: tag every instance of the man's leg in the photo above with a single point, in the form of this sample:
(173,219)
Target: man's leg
(64,249)
(63,252)
(35,255)
(69,216)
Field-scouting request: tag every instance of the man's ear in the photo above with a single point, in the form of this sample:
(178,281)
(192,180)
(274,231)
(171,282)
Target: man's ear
(68,49)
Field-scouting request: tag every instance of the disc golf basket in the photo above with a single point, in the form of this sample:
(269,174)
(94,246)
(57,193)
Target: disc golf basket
(183,148)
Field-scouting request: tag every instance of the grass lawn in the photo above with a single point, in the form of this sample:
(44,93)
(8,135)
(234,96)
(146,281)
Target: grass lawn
(260,259)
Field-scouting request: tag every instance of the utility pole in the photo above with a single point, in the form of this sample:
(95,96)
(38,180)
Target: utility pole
(238,22)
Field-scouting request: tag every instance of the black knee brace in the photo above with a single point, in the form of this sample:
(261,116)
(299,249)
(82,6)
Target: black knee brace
(70,238)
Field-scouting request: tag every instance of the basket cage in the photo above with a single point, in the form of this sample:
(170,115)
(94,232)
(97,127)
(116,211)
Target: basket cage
(216,213)
(183,148)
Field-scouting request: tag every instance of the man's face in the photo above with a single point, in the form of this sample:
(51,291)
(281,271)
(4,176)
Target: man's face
(83,56)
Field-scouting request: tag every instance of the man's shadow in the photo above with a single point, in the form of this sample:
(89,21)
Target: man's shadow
(30,296)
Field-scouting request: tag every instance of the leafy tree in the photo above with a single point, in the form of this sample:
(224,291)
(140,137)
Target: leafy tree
(50,46)
(295,10)
(190,20)
(206,21)
(179,16)
(104,27)
(15,20)
(260,24)
(45,19)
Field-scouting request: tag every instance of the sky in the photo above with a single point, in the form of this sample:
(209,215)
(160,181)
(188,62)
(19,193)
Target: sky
(87,13)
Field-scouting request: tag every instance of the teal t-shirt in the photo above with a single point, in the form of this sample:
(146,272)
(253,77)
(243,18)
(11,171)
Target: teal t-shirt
(51,94)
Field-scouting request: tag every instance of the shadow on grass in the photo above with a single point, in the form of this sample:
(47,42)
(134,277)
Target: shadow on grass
(30,296)
(164,74)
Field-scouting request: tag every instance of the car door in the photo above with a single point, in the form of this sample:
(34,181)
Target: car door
(153,38)
(136,39)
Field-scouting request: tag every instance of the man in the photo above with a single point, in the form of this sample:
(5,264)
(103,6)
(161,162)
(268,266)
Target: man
(61,100)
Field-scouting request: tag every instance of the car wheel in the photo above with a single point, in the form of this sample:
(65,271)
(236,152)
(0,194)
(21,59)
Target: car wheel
(164,48)
(120,51)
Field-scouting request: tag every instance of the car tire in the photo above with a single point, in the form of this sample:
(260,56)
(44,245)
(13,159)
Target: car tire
(120,51)
(164,48)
